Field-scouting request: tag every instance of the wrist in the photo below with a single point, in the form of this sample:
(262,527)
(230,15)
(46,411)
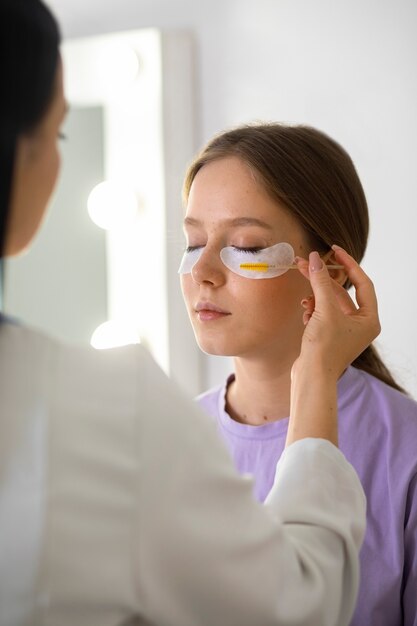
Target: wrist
(313,410)
(318,371)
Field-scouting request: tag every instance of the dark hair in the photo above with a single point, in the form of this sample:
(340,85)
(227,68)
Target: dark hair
(29,52)
(315,179)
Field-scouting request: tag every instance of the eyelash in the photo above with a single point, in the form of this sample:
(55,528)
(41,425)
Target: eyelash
(252,250)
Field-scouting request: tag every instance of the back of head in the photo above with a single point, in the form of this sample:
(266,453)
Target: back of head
(29,52)
(314,178)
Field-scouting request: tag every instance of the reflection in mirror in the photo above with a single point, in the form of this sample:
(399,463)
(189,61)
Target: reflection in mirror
(130,126)
(68,296)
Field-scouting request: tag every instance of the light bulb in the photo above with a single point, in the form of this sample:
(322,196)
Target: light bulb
(113,334)
(110,205)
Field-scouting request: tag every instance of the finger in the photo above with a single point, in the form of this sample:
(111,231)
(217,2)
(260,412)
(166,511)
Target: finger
(364,288)
(320,281)
(302,265)
(346,304)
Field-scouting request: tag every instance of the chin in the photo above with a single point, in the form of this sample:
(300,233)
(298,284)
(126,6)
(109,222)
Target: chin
(216,348)
(216,341)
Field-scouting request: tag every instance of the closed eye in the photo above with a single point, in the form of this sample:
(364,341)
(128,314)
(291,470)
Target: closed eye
(250,250)
(193,248)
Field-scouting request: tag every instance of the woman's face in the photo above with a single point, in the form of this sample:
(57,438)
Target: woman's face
(232,315)
(35,173)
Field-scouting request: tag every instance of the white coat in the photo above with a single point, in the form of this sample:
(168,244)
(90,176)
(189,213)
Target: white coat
(119,505)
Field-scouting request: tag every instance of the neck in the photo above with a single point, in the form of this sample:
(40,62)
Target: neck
(260,393)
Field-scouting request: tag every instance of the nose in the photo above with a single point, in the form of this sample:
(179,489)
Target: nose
(209,268)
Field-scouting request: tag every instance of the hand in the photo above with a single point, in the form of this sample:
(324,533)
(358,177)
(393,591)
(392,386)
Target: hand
(336,330)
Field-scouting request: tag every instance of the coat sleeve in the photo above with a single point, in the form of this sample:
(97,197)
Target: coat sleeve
(206,553)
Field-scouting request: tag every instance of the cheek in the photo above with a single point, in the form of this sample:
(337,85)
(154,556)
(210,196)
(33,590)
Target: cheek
(272,300)
(57,161)
(47,168)
(186,283)
(54,164)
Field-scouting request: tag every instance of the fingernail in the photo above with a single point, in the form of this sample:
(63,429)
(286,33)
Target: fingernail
(335,247)
(316,264)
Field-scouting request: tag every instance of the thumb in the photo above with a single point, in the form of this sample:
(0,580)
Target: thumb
(320,280)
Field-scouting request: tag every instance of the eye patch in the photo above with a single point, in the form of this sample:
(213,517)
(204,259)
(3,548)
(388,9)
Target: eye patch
(189,259)
(266,263)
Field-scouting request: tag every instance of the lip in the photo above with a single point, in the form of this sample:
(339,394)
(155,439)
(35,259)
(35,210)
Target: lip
(207,311)
(208,306)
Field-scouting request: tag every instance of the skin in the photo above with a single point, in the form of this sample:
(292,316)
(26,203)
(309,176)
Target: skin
(264,323)
(35,173)
(333,319)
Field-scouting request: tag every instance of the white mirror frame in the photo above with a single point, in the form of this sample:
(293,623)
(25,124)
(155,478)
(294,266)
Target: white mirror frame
(144,82)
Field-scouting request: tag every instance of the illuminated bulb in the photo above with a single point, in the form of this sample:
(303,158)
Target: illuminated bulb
(111,206)
(119,66)
(113,334)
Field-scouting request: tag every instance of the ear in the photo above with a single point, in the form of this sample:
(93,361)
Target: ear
(338,275)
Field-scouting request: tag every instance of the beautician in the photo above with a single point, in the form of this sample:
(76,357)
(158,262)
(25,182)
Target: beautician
(117,502)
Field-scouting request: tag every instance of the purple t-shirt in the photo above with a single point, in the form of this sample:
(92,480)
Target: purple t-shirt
(378,435)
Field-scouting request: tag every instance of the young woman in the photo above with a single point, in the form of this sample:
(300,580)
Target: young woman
(250,193)
(118,504)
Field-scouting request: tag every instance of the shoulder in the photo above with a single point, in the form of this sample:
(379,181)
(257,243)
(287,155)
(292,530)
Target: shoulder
(387,399)
(209,394)
(212,399)
(77,371)
(384,420)
(23,352)
(20,341)
(365,393)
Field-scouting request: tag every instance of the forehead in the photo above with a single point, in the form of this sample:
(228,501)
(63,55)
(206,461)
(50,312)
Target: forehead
(226,182)
(227,191)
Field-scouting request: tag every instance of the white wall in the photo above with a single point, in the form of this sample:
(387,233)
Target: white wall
(347,67)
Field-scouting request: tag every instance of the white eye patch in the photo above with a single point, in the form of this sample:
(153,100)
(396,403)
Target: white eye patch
(266,263)
(189,259)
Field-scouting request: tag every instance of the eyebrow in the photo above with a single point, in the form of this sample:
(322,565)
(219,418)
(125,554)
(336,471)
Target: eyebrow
(235,222)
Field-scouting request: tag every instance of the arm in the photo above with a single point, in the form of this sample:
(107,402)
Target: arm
(211,554)
(336,333)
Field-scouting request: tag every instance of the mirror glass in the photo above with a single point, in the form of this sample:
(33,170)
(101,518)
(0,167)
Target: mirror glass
(129,136)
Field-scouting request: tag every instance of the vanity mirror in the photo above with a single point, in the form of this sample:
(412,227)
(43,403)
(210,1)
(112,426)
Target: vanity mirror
(128,137)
